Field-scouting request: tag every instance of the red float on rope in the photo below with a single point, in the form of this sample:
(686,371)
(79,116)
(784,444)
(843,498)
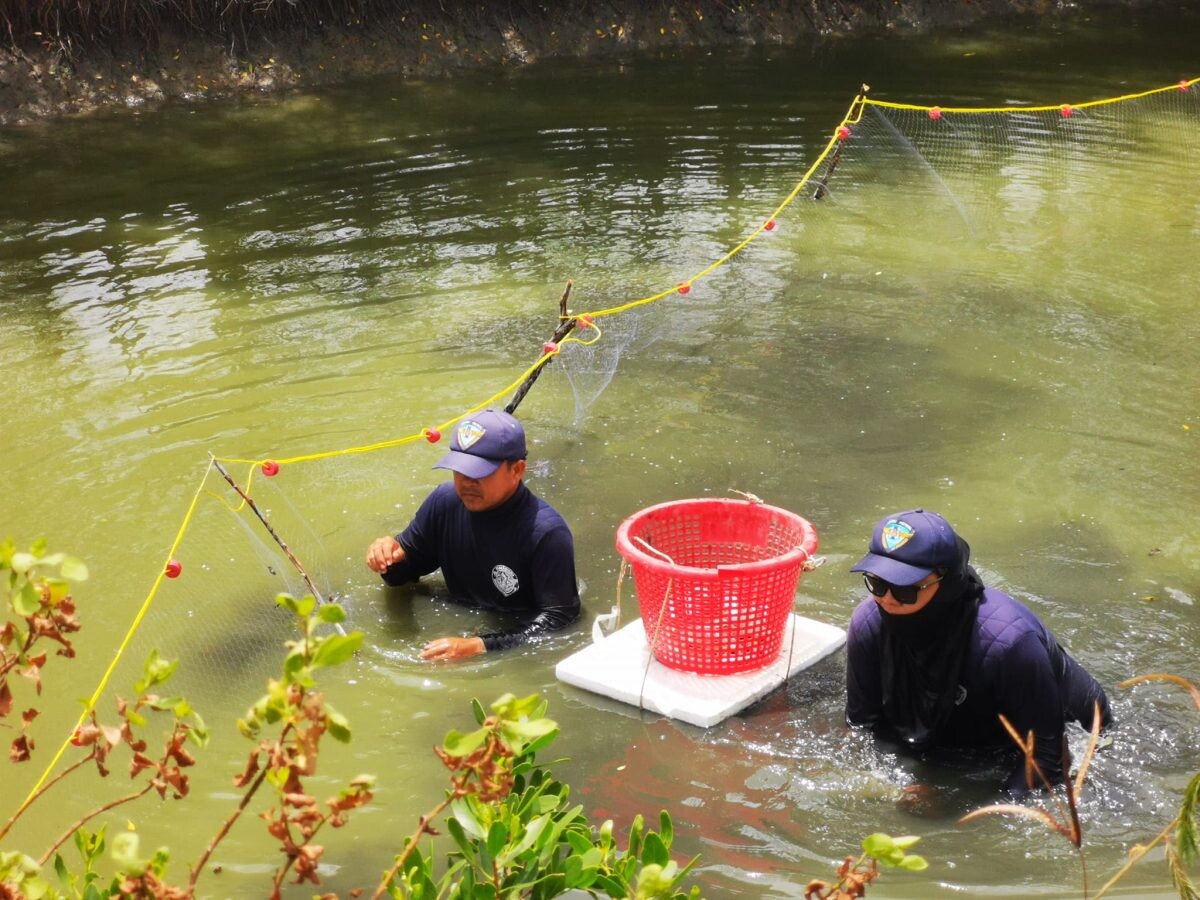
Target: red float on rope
(1066,111)
(683,287)
(549,347)
(174,567)
(770,226)
(1183,85)
(583,322)
(842,133)
(935,113)
(270,468)
(432,435)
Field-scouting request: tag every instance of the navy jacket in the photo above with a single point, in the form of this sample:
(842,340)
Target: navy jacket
(1013,666)
(518,557)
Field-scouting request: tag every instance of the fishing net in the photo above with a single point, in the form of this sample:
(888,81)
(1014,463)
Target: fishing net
(971,183)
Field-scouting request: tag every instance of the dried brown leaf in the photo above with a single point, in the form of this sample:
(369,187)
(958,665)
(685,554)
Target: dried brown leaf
(1093,743)
(1013,809)
(1173,679)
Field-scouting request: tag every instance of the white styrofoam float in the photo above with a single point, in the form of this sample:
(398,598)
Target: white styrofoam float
(620,666)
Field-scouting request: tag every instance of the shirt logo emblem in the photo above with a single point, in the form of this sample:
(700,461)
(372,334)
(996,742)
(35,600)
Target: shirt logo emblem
(896,534)
(505,580)
(469,434)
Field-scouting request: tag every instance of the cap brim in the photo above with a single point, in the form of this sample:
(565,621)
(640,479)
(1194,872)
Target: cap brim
(890,569)
(466,464)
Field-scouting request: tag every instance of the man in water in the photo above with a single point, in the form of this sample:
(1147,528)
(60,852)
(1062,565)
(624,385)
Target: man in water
(934,658)
(498,545)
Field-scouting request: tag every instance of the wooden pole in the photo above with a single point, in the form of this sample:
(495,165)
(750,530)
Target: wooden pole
(560,332)
(278,540)
(823,184)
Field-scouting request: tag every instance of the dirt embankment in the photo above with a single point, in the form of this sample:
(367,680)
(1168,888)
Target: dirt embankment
(45,75)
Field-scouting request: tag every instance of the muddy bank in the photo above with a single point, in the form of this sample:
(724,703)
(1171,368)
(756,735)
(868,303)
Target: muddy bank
(46,74)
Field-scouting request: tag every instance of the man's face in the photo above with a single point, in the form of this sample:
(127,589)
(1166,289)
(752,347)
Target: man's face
(479,494)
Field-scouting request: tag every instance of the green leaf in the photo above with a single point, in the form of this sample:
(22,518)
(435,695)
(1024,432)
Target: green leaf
(64,874)
(198,733)
(913,863)
(459,744)
(1187,841)
(666,827)
(533,830)
(460,837)
(654,851)
(22,562)
(878,845)
(580,843)
(573,872)
(331,613)
(293,666)
(903,843)
(338,725)
(125,850)
(27,601)
(155,670)
(612,886)
(35,888)
(477,709)
(461,810)
(74,569)
(509,707)
(336,649)
(635,835)
(288,602)
(497,838)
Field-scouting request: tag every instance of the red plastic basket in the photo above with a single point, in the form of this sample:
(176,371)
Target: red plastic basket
(715,586)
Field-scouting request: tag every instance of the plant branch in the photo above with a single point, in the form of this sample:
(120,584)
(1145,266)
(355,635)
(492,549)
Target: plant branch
(194,876)
(412,842)
(128,798)
(1135,857)
(45,787)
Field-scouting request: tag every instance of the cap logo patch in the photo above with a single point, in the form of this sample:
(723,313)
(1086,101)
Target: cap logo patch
(896,534)
(469,434)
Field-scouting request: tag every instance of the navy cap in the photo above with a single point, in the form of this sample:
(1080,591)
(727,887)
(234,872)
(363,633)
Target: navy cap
(481,442)
(907,546)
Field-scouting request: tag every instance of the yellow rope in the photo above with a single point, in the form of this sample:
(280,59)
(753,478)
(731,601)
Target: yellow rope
(1010,110)
(851,117)
(91,703)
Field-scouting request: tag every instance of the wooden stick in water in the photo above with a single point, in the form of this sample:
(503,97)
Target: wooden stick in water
(560,332)
(271,531)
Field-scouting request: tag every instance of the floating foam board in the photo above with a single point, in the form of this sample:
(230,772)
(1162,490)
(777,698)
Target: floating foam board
(616,666)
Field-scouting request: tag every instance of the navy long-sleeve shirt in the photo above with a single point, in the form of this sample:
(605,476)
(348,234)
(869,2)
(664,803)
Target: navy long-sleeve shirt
(1013,666)
(518,557)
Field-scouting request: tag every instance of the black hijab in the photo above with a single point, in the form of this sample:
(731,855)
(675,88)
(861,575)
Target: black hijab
(923,654)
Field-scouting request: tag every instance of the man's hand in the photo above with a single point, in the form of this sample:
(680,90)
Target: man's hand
(384,552)
(453,648)
(921,799)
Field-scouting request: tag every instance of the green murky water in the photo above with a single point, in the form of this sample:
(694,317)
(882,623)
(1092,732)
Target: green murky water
(999,325)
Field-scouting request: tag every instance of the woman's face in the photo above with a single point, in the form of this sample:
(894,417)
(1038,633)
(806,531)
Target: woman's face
(926,591)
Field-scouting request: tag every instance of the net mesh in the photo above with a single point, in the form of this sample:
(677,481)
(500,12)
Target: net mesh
(974,181)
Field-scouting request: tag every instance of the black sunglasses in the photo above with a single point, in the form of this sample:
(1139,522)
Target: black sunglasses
(905,594)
